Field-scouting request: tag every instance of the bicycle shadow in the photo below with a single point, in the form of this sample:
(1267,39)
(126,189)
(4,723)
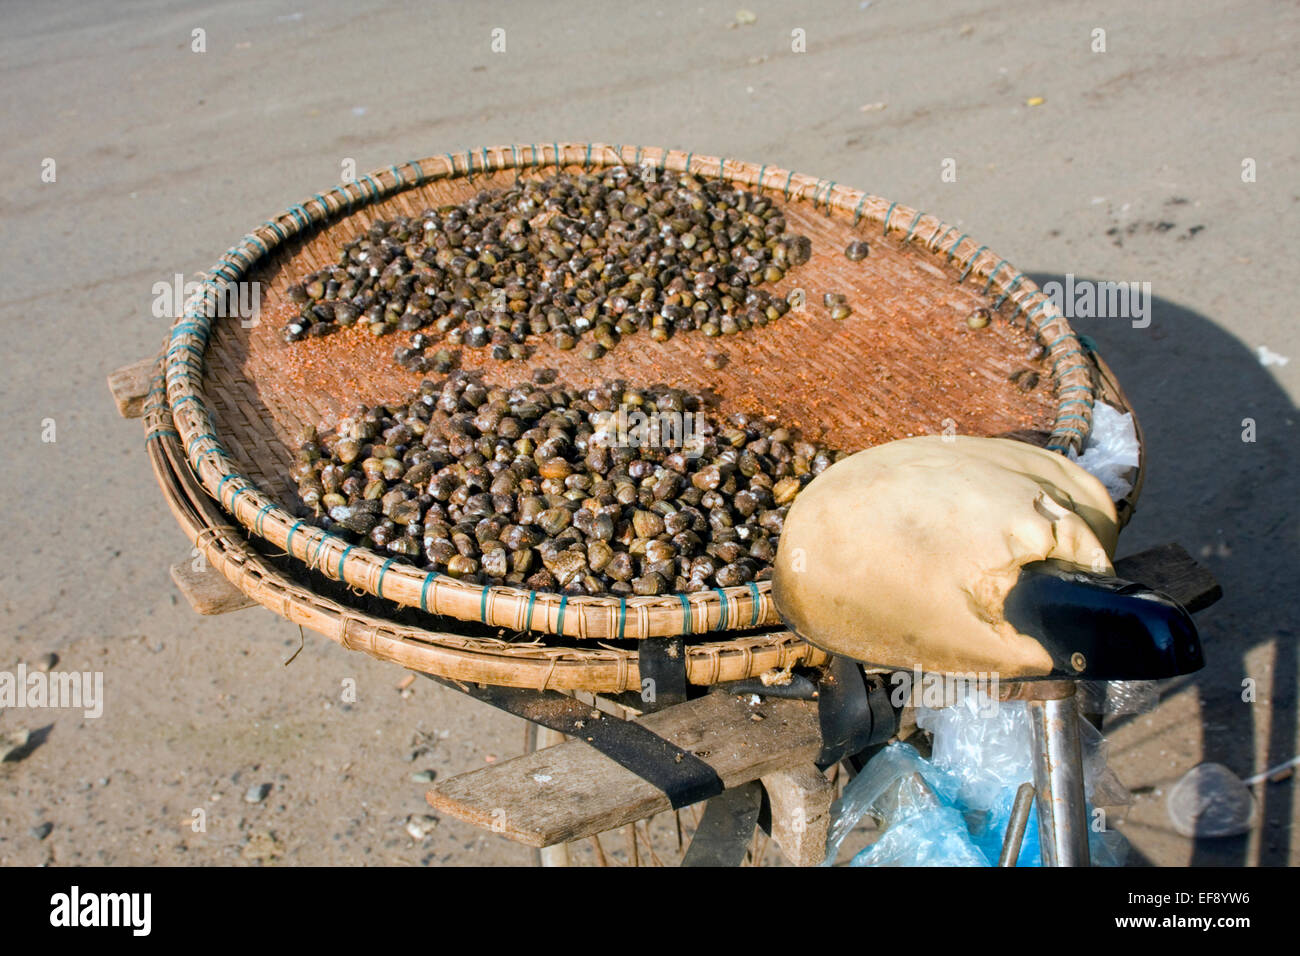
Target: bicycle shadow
(1233,505)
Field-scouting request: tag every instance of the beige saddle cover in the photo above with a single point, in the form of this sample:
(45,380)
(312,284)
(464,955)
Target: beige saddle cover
(903,554)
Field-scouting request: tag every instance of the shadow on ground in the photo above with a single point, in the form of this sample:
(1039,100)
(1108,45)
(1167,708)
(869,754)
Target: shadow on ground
(1234,505)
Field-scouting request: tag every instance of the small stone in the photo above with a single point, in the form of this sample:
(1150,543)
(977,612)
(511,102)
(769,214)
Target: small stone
(262,846)
(45,663)
(14,740)
(41,830)
(424,776)
(420,826)
(257,793)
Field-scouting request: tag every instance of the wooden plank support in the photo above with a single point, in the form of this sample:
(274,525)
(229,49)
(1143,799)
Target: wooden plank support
(557,855)
(800,799)
(207,591)
(1172,571)
(130,384)
(572,791)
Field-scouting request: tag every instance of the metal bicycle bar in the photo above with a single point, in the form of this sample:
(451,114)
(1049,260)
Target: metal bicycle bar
(1058,774)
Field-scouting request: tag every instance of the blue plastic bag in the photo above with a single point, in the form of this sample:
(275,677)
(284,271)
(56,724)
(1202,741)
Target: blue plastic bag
(917,800)
(936,836)
(954,809)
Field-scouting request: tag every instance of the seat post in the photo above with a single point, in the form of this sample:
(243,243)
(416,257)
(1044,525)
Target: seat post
(1058,771)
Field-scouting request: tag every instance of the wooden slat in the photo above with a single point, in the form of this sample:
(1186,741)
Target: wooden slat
(207,591)
(1172,571)
(800,799)
(572,791)
(557,855)
(130,384)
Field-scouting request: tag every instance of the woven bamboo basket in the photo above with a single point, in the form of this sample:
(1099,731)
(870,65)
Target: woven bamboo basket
(233,393)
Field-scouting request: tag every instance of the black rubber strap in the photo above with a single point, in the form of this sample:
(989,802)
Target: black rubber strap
(683,777)
(661,661)
(854,711)
(727,828)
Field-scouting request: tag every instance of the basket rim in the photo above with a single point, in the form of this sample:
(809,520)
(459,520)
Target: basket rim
(596,617)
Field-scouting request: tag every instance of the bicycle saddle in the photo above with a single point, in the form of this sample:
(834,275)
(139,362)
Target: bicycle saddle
(954,555)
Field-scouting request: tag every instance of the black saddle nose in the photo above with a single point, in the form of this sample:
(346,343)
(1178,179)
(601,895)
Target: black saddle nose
(1102,628)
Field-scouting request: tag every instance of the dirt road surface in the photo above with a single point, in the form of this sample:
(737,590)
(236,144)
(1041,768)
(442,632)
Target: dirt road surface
(1170,158)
